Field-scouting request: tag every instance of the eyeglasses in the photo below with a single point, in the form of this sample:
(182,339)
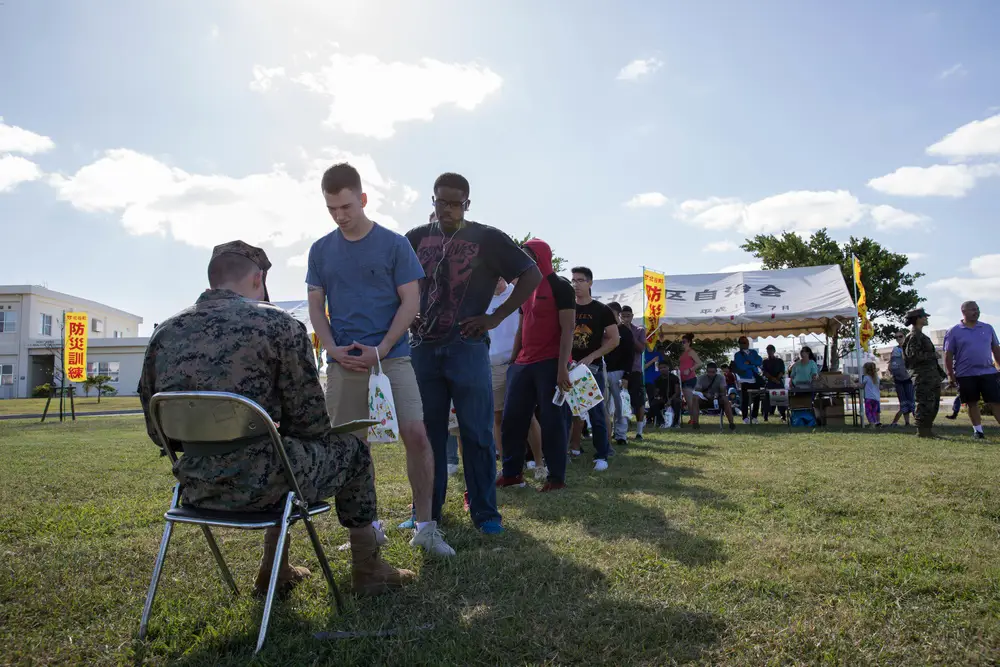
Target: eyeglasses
(579,281)
(444,203)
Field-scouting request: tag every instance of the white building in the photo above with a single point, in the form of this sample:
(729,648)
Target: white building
(31,340)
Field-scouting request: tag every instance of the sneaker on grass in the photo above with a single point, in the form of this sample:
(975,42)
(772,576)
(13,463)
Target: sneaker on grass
(552,486)
(600,465)
(431,539)
(491,528)
(503,481)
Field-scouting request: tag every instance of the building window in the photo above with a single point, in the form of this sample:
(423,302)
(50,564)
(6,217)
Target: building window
(6,374)
(8,321)
(109,368)
(116,334)
(46,325)
(98,325)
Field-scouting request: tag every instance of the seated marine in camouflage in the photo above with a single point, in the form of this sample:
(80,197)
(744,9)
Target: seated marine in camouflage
(232,341)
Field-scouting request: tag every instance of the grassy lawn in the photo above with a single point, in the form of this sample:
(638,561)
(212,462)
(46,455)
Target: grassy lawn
(35,406)
(762,547)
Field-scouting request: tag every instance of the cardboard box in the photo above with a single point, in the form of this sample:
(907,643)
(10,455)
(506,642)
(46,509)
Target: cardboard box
(796,401)
(834,420)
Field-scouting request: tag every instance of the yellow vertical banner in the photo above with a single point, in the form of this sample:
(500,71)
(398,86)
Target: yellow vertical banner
(653,284)
(75,346)
(865,330)
(316,348)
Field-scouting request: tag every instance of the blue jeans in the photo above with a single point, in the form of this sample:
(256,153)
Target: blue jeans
(599,419)
(459,371)
(530,386)
(907,396)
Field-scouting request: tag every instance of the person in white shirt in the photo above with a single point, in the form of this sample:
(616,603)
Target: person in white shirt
(501,347)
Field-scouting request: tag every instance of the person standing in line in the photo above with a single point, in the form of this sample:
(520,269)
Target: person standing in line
(635,381)
(773,369)
(462,261)
(922,362)
(595,335)
(872,395)
(688,364)
(501,347)
(619,362)
(972,355)
(366,277)
(746,365)
(543,347)
(902,380)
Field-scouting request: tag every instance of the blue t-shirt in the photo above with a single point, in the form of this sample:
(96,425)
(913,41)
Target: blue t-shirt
(650,374)
(360,279)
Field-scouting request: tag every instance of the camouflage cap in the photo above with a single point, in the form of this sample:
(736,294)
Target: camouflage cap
(916,313)
(254,254)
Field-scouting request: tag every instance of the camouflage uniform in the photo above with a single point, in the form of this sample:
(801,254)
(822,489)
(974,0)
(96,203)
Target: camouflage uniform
(922,362)
(226,342)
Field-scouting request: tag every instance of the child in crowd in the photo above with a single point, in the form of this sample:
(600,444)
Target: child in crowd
(873,397)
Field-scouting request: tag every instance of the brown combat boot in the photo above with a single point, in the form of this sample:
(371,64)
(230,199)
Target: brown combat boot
(925,432)
(369,573)
(288,576)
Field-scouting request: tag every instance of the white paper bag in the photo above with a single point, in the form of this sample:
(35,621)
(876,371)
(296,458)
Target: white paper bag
(626,405)
(584,392)
(452,418)
(381,409)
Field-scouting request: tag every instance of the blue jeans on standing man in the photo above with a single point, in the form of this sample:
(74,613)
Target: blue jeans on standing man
(530,386)
(599,420)
(458,371)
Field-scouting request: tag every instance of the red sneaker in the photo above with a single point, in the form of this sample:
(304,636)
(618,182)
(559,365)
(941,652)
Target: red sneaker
(503,481)
(465,501)
(552,486)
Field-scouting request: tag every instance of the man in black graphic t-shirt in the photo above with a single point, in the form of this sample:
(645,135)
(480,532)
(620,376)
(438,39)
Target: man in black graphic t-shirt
(596,335)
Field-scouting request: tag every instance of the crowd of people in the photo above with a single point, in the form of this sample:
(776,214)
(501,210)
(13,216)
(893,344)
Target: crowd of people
(456,315)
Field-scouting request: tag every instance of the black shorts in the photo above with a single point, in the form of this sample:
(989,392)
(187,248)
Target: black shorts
(973,387)
(636,389)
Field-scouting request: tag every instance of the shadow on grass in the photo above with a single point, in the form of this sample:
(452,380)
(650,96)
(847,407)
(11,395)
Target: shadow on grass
(507,601)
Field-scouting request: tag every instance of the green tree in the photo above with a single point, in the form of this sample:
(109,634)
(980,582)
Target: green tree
(888,286)
(100,382)
(558,263)
(89,384)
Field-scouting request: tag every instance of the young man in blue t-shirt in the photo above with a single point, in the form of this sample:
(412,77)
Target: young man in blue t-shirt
(363,296)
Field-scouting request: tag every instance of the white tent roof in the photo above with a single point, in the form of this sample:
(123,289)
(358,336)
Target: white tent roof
(786,302)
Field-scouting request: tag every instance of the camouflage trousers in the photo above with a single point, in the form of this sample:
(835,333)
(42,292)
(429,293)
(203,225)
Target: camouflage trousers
(928,395)
(253,478)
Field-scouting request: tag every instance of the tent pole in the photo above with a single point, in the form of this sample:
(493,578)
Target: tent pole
(857,326)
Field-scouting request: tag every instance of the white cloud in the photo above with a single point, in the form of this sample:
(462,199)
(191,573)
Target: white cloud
(214,32)
(745,266)
(888,218)
(647,200)
(299,260)
(955,70)
(940,180)
(263,77)
(983,284)
(914,256)
(639,68)
(797,211)
(978,138)
(277,207)
(369,97)
(14,139)
(720,246)
(15,169)
(409,197)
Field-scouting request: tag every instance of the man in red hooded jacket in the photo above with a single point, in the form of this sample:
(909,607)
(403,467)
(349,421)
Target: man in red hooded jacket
(540,360)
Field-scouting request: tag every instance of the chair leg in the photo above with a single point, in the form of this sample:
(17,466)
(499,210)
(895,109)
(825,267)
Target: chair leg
(227,576)
(272,586)
(161,556)
(323,563)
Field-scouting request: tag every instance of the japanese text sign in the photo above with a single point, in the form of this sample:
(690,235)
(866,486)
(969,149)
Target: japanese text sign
(75,346)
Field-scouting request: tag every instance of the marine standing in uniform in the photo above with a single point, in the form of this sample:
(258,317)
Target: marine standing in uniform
(922,362)
(232,341)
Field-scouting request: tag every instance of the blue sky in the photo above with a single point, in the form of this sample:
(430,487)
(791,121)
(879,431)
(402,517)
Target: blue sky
(137,135)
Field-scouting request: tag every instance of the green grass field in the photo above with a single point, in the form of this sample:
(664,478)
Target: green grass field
(33,406)
(762,547)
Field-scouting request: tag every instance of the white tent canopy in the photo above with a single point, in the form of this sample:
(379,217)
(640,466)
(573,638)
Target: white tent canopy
(785,302)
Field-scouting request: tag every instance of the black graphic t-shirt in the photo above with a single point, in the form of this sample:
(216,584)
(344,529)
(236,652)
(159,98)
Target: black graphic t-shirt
(461,273)
(591,321)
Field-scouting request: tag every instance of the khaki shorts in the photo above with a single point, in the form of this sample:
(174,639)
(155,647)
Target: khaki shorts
(499,386)
(347,392)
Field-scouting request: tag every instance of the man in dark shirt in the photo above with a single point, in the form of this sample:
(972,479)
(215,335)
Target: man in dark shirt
(619,363)
(540,362)
(636,383)
(463,260)
(595,335)
(665,390)
(773,369)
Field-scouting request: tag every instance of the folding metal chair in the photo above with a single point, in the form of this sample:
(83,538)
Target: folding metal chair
(219,422)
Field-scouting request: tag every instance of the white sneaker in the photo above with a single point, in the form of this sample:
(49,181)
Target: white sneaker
(754,421)
(532,465)
(431,540)
(575,452)
(600,465)
(541,474)
(746,421)
(452,468)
